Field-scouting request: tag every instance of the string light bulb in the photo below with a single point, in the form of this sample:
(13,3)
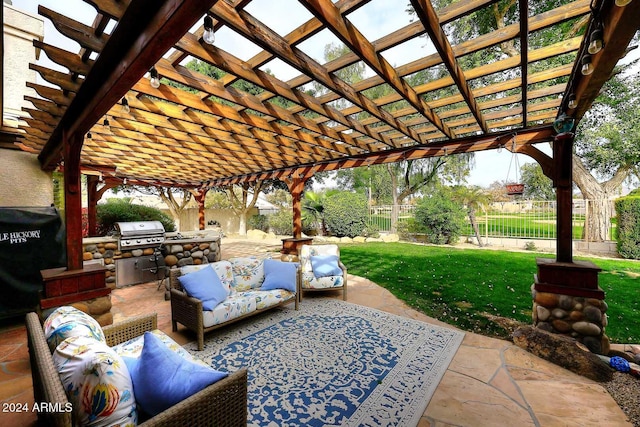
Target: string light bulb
(572,103)
(154,78)
(587,66)
(622,3)
(208,36)
(106,123)
(596,40)
(125,106)
(124,181)
(89,136)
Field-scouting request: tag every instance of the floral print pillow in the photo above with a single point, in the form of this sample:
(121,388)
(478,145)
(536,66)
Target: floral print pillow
(97,383)
(66,322)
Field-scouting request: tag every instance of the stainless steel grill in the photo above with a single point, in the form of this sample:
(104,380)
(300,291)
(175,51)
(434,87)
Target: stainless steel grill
(140,234)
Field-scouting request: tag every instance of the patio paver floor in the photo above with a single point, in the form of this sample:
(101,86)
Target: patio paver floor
(489,382)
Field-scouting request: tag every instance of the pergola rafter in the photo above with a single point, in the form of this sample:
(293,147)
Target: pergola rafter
(199,130)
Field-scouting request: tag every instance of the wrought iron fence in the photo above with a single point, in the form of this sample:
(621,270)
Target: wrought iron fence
(517,219)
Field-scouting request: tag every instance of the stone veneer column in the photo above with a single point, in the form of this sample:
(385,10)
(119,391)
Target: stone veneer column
(568,301)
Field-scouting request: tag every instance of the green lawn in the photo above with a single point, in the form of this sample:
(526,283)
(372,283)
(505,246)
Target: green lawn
(534,225)
(462,286)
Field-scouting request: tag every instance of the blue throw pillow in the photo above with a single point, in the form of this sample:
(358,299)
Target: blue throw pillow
(325,265)
(204,285)
(279,275)
(161,377)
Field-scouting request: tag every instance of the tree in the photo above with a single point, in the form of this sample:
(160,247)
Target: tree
(607,150)
(473,199)
(537,186)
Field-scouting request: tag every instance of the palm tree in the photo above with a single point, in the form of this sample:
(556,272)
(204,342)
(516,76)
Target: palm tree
(473,198)
(312,210)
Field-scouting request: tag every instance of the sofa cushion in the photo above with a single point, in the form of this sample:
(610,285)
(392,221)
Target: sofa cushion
(234,306)
(279,275)
(222,269)
(204,285)
(65,322)
(325,265)
(162,378)
(97,382)
(266,299)
(248,273)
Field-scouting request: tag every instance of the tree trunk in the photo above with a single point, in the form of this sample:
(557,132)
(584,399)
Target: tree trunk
(243,223)
(474,224)
(600,195)
(394,196)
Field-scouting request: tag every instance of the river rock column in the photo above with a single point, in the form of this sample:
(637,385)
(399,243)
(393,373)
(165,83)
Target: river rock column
(567,300)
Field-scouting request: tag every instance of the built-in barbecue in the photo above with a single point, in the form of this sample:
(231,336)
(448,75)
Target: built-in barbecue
(140,234)
(143,239)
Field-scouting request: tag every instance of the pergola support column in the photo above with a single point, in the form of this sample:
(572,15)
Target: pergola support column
(566,297)
(291,247)
(199,195)
(73,199)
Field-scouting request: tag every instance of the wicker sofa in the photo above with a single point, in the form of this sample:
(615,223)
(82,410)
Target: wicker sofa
(244,277)
(223,403)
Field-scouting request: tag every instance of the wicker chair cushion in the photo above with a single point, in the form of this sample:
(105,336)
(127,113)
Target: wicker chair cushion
(248,273)
(206,286)
(162,378)
(132,349)
(325,265)
(97,382)
(279,275)
(66,322)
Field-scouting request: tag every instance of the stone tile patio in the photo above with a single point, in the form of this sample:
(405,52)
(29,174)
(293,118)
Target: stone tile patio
(490,382)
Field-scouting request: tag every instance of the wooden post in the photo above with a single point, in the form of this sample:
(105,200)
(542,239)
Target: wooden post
(296,188)
(200,195)
(563,181)
(73,198)
(92,203)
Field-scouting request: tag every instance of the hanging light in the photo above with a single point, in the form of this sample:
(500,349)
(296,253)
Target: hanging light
(622,3)
(587,66)
(100,177)
(125,105)
(572,103)
(596,40)
(124,181)
(154,78)
(500,148)
(106,123)
(209,36)
(89,136)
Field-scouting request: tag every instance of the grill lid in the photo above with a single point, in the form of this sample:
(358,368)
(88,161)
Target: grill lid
(139,228)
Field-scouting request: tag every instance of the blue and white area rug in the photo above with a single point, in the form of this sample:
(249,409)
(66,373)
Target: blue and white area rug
(333,363)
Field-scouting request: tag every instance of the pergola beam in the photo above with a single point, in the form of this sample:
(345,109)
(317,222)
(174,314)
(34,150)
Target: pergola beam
(116,69)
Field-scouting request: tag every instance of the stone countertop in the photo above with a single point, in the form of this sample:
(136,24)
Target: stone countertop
(198,238)
(102,239)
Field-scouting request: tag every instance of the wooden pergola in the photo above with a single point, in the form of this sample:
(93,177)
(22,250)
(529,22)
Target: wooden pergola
(197,131)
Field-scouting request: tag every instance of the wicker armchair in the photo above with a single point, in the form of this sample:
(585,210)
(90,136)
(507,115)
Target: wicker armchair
(223,403)
(308,281)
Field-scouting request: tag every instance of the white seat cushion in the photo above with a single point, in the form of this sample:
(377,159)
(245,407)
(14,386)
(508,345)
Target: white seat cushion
(234,306)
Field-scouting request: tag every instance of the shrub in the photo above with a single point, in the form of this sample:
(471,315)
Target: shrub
(440,218)
(628,226)
(258,222)
(345,214)
(122,210)
(281,222)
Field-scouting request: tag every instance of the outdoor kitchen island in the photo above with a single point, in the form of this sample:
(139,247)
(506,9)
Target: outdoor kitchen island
(126,267)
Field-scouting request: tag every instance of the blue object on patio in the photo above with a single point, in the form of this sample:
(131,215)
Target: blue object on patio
(619,364)
(206,286)
(325,265)
(279,275)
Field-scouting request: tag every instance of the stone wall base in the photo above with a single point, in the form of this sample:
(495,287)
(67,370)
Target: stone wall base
(579,317)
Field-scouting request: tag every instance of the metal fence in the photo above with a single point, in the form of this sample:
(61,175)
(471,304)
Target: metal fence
(517,219)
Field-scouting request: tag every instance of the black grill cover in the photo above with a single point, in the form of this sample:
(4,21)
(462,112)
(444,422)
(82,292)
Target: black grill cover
(31,239)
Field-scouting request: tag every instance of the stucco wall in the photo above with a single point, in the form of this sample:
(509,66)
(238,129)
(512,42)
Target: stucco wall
(22,182)
(20,28)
